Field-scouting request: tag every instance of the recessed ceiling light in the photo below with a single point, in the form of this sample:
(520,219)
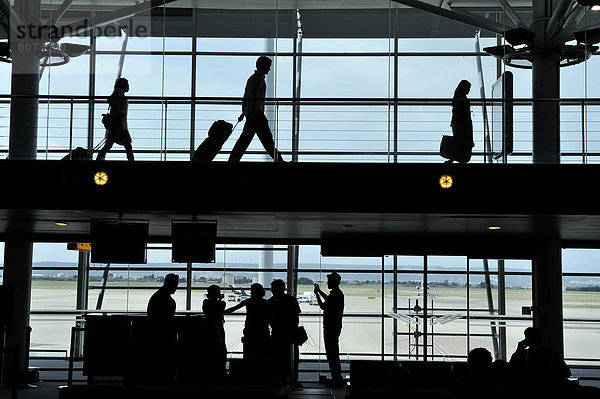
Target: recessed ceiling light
(494,227)
(61,224)
(595,8)
(446,181)
(101,178)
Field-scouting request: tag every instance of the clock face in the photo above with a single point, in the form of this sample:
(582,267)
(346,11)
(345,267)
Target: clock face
(101,178)
(446,181)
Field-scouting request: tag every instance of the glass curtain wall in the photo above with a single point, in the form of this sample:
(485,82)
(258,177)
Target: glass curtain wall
(396,307)
(362,87)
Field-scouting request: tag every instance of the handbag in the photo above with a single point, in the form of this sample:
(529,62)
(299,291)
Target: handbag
(111,122)
(454,149)
(300,336)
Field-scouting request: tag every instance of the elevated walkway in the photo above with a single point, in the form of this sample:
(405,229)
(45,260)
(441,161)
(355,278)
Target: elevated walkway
(388,208)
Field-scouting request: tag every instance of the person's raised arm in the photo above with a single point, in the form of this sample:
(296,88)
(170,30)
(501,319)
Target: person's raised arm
(319,293)
(236,307)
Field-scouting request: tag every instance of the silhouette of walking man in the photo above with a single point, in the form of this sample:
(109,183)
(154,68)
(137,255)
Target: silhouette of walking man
(118,108)
(462,125)
(333,311)
(284,321)
(256,328)
(253,108)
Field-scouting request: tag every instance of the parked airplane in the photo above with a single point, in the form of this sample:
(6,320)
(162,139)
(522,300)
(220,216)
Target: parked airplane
(420,290)
(237,294)
(307,297)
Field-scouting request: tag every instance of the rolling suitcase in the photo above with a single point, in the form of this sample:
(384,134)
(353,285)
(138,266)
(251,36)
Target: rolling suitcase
(82,154)
(450,148)
(218,134)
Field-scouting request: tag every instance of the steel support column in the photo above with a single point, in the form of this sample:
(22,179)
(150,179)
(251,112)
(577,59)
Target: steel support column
(25,86)
(18,256)
(547,294)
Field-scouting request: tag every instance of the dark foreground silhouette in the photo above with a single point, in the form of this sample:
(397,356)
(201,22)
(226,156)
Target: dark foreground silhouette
(459,146)
(117,130)
(253,109)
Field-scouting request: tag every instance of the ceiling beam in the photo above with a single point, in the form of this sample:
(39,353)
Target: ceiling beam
(464,17)
(512,14)
(60,12)
(559,17)
(110,17)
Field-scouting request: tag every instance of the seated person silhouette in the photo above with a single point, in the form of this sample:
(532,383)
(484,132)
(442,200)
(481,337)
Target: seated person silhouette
(479,383)
(214,332)
(256,328)
(538,369)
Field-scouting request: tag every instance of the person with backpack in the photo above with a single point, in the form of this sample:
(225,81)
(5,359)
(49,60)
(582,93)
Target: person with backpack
(117,131)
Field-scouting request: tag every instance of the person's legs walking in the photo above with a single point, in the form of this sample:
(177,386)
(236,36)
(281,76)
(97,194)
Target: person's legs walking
(107,146)
(265,136)
(242,143)
(129,151)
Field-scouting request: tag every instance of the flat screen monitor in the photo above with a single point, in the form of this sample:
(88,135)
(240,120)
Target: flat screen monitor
(193,242)
(119,242)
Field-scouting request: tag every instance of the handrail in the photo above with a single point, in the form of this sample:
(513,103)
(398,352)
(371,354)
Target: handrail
(326,131)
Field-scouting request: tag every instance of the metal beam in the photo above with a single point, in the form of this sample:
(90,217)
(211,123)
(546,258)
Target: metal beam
(558,18)
(14,20)
(511,13)
(60,12)
(464,17)
(110,17)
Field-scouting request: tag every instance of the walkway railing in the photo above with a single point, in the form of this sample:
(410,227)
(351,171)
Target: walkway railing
(381,130)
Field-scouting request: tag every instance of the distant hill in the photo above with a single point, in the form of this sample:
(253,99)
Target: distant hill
(312,272)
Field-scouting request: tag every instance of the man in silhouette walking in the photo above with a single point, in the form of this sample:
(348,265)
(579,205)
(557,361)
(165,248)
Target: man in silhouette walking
(253,108)
(333,311)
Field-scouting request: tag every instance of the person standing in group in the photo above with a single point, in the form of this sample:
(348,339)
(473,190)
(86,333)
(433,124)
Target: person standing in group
(333,311)
(161,306)
(256,328)
(284,319)
(216,350)
(253,109)
(462,125)
(160,340)
(118,110)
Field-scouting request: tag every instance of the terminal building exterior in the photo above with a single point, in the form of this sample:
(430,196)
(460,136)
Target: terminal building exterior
(435,258)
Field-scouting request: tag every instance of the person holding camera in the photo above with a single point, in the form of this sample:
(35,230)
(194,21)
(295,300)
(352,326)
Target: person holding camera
(333,312)
(216,350)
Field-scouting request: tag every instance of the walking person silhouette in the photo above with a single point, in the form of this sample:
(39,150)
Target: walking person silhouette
(462,125)
(118,109)
(253,109)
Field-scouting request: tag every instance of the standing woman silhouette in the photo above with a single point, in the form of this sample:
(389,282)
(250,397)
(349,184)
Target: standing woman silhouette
(462,125)
(118,108)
